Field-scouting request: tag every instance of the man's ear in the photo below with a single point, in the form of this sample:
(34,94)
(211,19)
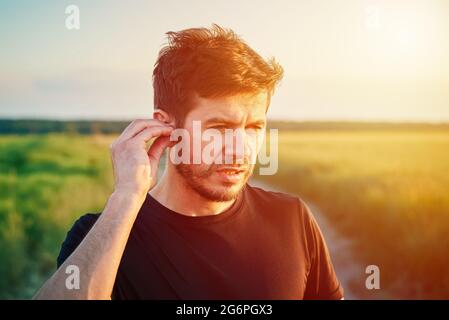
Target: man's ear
(163,116)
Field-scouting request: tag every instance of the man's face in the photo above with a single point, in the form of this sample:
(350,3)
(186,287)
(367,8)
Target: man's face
(244,116)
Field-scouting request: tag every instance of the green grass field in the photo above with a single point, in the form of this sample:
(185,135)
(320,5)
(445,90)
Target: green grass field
(45,183)
(387,190)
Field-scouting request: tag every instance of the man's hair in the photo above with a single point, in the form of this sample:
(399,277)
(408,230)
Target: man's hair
(210,63)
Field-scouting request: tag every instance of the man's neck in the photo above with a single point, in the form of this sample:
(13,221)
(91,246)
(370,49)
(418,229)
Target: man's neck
(174,193)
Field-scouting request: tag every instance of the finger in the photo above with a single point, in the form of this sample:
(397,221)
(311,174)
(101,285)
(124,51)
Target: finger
(137,126)
(147,134)
(157,148)
(155,152)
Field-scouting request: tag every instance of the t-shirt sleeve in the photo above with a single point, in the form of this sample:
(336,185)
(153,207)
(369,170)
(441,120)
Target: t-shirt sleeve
(75,235)
(322,282)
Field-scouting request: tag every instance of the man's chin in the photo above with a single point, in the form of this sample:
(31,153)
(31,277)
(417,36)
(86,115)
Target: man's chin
(221,192)
(215,187)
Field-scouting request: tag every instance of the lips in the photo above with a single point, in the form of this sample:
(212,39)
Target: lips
(231,174)
(231,170)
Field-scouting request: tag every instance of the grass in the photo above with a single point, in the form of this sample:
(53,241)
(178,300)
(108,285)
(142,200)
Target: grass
(45,183)
(387,190)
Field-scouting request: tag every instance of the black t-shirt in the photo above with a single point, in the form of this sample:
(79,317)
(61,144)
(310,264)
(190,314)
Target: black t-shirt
(267,245)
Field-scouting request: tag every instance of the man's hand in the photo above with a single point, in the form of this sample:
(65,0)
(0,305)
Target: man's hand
(98,256)
(135,168)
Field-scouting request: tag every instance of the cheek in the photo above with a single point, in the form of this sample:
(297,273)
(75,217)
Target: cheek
(202,170)
(255,140)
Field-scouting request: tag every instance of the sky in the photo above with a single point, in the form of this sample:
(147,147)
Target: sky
(368,60)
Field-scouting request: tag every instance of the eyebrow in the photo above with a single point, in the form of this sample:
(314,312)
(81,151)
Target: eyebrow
(228,121)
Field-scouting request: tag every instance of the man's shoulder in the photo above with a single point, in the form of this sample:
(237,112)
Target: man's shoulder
(82,226)
(87,220)
(75,235)
(267,195)
(271,197)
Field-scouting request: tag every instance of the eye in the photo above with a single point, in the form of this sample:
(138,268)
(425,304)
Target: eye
(219,127)
(255,127)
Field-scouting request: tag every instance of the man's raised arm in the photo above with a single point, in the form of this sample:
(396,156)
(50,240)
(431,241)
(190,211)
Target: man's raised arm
(98,255)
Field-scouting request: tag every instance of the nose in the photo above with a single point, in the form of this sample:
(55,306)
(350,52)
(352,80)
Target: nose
(236,148)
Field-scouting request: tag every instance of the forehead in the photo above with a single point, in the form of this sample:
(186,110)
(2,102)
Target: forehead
(236,108)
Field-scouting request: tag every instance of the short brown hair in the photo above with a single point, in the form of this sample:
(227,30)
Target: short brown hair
(211,63)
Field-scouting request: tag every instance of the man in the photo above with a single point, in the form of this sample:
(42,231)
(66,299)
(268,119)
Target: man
(201,232)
